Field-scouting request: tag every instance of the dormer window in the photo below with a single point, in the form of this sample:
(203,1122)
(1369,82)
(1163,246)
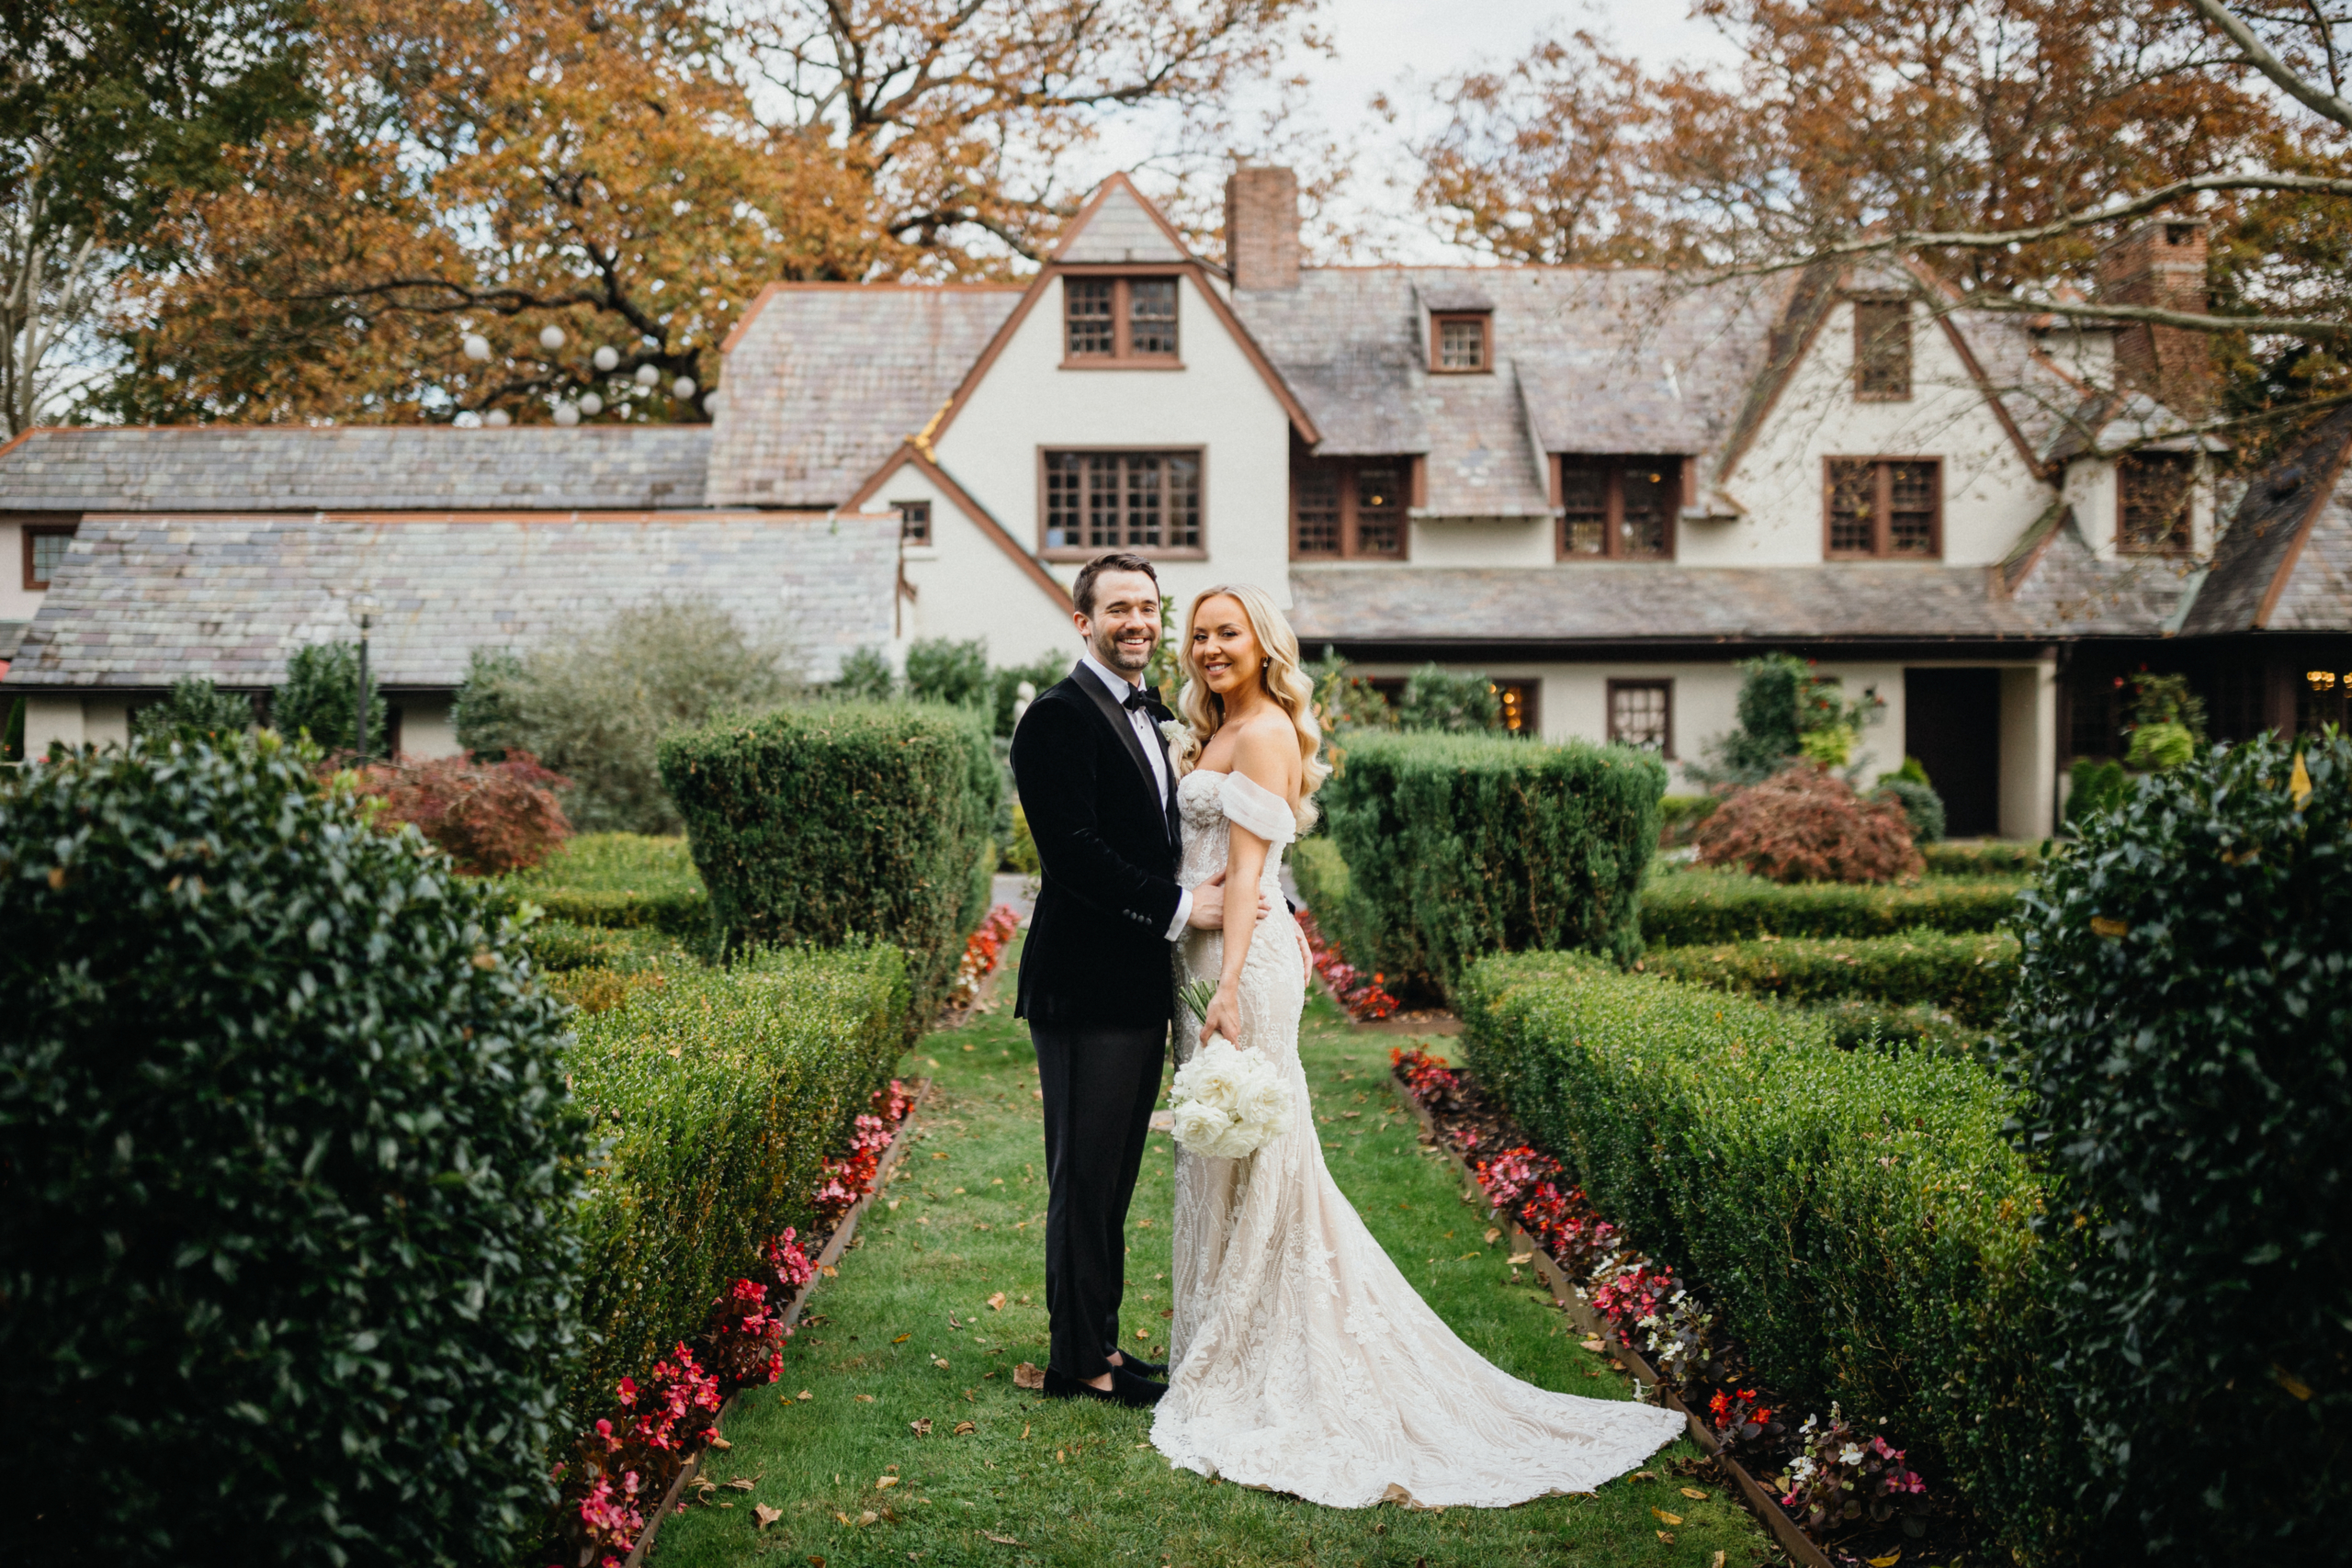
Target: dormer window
(1883,350)
(1119,320)
(1461,343)
(2152,492)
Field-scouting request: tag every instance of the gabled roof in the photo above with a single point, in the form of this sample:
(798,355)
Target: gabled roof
(2285,563)
(141,603)
(996,533)
(222,467)
(1118,223)
(2060,584)
(2113,422)
(824,382)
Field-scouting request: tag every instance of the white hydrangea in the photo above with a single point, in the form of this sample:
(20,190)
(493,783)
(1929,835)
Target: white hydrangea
(1228,1102)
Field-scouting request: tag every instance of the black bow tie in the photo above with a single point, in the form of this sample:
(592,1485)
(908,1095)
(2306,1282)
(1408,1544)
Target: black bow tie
(1138,701)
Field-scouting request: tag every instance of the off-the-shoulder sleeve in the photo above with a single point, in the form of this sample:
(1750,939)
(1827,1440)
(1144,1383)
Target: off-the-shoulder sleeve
(1258,808)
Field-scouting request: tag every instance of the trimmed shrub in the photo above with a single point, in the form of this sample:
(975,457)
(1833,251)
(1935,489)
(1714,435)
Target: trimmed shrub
(825,824)
(1980,860)
(2094,787)
(1859,1220)
(1862,1023)
(198,708)
(722,1091)
(621,881)
(286,1159)
(1690,907)
(1970,977)
(1458,846)
(1449,702)
(1807,825)
(866,677)
(1923,808)
(489,816)
(320,698)
(2183,1030)
(1681,815)
(488,707)
(956,673)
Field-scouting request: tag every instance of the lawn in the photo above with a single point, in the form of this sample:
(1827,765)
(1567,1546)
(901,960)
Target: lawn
(906,1335)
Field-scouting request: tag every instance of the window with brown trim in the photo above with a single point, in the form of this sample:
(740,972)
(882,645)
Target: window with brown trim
(914,522)
(2153,491)
(1462,341)
(1118,321)
(1350,509)
(1121,500)
(44,552)
(1641,713)
(1882,508)
(1618,508)
(1883,350)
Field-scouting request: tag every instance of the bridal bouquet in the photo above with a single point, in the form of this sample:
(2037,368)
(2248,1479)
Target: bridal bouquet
(1227,1102)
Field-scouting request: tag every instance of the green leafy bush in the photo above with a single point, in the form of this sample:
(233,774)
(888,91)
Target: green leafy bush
(1458,846)
(844,820)
(320,698)
(622,881)
(1859,1220)
(1039,673)
(286,1160)
(1970,977)
(721,1091)
(197,708)
(1449,702)
(1923,808)
(2184,1032)
(956,673)
(1786,713)
(866,677)
(1689,907)
(1682,813)
(1345,700)
(488,707)
(1992,858)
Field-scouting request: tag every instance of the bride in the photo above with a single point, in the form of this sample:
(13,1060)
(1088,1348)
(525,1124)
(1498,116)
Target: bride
(1303,1361)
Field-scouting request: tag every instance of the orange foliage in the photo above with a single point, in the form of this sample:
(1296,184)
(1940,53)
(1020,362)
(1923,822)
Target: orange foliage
(491,816)
(1808,825)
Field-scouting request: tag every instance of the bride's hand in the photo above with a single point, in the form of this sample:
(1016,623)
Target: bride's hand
(1224,1016)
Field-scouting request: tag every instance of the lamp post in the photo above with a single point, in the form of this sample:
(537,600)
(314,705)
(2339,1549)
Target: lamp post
(363,610)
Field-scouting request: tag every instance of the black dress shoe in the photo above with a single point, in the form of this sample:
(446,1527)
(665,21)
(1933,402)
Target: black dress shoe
(1142,1367)
(1125,1389)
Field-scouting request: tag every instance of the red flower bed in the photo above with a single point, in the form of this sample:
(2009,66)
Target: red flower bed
(981,953)
(623,1466)
(1365,996)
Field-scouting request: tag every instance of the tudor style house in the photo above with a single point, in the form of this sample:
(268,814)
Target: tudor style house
(1603,487)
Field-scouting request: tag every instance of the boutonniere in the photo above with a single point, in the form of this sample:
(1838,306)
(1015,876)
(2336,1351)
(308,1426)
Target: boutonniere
(1175,730)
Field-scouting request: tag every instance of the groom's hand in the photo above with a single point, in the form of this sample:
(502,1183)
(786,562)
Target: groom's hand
(1208,905)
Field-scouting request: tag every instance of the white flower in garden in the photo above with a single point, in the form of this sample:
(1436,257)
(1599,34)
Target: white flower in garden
(1851,1455)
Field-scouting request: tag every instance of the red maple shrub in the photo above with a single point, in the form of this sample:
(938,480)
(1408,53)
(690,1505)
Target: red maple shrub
(1808,825)
(489,816)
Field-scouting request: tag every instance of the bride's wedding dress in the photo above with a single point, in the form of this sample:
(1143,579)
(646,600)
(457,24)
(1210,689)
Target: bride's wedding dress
(1301,1358)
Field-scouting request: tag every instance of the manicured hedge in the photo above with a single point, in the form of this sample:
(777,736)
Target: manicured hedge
(721,1091)
(1684,908)
(841,820)
(620,881)
(285,1158)
(1859,1220)
(1969,976)
(1992,858)
(1458,846)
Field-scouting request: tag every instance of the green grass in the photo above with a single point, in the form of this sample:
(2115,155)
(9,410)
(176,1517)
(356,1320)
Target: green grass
(1080,1485)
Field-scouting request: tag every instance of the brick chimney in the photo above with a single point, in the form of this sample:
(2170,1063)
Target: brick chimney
(1261,228)
(2162,263)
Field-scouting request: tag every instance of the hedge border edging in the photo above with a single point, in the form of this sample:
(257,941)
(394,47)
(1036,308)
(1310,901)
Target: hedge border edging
(835,1245)
(1571,1299)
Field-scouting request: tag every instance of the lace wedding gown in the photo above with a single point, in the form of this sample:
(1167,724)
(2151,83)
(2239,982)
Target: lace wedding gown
(1301,1358)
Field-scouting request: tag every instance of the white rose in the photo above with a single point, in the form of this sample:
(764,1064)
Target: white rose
(1197,1125)
(1266,1105)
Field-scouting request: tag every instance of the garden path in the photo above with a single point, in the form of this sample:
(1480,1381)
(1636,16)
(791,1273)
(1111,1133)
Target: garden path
(907,1335)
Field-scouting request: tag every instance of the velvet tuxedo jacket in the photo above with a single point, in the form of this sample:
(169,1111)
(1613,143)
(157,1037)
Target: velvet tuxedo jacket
(1107,847)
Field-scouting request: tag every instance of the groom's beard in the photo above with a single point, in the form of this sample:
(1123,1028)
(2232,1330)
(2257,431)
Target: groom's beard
(1127,661)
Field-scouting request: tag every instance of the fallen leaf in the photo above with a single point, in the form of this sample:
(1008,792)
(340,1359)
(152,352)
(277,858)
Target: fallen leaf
(1026,1376)
(952,1322)
(1516,1258)
(941,1364)
(1694,1494)
(1494,1234)
(1141,1335)
(830,1272)
(886,1484)
(1666,1518)
(839,1515)
(1718,1562)
(1593,1345)
(1644,1475)
(921,1428)
(865,1399)
(1000,1539)
(1024,1431)
(964,1429)
(902,1339)
(765,1515)
(1889,1561)
(996,1302)
(806,1395)
(1667,1536)
(1061,1456)
(719,1442)
(741,1483)
(2102,926)
(2298,783)
(867,1517)
(2289,1381)
(1168,1312)
(817,1563)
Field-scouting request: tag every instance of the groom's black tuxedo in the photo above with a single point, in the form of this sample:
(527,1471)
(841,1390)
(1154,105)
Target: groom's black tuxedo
(1097,986)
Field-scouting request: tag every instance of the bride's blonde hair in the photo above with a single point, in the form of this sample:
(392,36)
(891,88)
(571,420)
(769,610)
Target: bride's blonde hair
(1204,711)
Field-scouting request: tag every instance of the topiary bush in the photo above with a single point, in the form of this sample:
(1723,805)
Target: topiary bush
(844,820)
(2183,1028)
(1728,906)
(1969,976)
(1457,846)
(1805,824)
(287,1163)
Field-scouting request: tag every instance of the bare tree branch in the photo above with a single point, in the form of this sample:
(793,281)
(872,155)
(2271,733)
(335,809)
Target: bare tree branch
(2156,316)
(2257,54)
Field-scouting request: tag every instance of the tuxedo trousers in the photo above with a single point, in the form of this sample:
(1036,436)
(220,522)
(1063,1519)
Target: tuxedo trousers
(1099,1081)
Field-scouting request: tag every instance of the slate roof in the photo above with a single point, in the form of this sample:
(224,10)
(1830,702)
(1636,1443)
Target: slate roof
(2288,545)
(824,382)
(355,467)
(1587,359)
(143,602)
(1663,603)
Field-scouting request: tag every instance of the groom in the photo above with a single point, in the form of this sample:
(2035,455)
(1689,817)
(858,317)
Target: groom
(1097,978)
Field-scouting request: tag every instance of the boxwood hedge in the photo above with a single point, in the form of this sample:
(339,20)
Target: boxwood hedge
(1969,976)
(622,882)
(719,1093)
(839,820)
(1461,845)
(285,1158)
(1859,1220)
(2184,1024)
(1682,908)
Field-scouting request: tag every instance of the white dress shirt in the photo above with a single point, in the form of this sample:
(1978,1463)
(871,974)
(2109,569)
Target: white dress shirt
(1155,746)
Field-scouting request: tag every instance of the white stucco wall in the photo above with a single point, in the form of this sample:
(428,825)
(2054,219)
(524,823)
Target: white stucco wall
(1506,542)
(16,603)
(1217,401)
(2029,749)
(428,725)
(2092,489)
(47,719)
(1990,496)
(965,586)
